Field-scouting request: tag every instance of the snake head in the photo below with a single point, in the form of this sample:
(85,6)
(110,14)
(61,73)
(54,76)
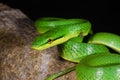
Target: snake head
(51,38)
(60,34)
(48,40)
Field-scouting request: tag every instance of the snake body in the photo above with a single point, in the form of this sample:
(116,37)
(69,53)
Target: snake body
(99,67)
(95,61)
(74,50)
(109,39)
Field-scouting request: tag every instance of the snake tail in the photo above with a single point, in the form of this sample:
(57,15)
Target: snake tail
(53,76)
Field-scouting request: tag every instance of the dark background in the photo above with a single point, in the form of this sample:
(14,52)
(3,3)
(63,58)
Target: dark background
(104,15)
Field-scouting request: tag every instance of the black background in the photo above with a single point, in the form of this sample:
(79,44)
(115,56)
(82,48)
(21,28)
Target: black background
(104,15)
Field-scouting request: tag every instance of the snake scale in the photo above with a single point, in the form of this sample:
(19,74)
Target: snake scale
(94,58)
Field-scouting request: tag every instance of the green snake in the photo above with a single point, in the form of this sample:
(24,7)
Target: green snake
(94,58)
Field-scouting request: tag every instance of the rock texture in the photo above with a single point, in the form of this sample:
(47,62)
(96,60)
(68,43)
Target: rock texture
(17,60)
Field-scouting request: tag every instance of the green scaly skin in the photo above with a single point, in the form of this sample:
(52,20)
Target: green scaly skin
(99,67)
(109,39)
(74,50)
(95,62)
(46,23)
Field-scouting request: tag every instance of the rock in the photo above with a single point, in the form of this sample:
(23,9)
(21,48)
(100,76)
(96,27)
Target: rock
(17,60)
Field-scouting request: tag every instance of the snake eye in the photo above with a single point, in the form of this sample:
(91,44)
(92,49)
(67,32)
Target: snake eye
(50,41)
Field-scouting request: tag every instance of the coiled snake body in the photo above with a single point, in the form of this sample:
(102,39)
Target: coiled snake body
(95,61)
